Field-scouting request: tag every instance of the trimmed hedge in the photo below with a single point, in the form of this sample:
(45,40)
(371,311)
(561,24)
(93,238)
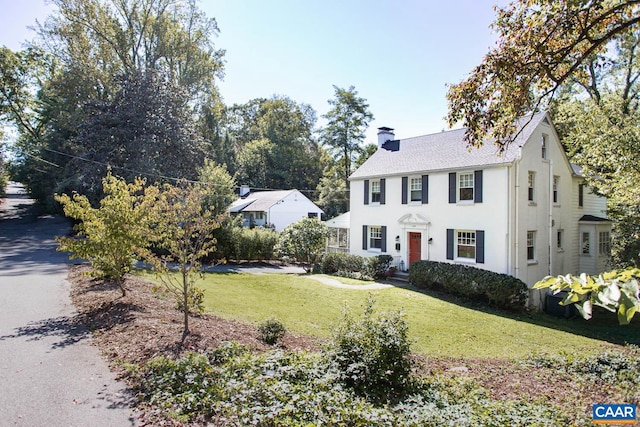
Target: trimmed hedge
(334,262)
(499,290)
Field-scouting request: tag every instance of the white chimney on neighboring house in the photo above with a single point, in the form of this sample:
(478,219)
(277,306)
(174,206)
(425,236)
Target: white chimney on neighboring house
(244,191)
(384,135)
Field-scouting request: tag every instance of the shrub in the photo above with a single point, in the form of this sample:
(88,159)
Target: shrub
(303,241)
(499,290)
(335,262)
(372,353)
(376,266)
(271,331)
(255,244)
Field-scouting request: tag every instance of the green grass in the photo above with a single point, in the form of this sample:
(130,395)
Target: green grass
(347,280)
(438,327)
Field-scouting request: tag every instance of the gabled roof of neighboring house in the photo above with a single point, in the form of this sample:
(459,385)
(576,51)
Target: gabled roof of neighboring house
(341,221)
(444,150)
(259,201)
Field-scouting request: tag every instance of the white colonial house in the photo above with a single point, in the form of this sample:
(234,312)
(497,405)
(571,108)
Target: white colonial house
(273,208)
(524,212)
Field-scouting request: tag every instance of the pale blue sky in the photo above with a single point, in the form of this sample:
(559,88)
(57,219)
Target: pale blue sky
(398,54)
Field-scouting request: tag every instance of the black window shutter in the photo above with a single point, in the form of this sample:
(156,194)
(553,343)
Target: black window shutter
(365,238)
(449,243)
(477,186)
(452,187)
(425,189)
(383,243)
(405,189)
(382,188)
(480,246)
(366,191)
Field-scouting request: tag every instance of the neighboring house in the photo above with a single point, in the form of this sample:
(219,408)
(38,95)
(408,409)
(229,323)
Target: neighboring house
(525,212)
(273,208)
(338,228)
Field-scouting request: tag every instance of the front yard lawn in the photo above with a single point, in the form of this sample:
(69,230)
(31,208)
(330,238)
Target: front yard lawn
(438,327)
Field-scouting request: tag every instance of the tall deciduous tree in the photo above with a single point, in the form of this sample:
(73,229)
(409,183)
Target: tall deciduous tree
(348,120)
(542,44)
(599,121)
(146,130)
(93,41)
(277,149)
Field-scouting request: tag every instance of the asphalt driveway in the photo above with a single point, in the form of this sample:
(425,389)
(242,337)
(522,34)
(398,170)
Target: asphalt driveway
(50,374)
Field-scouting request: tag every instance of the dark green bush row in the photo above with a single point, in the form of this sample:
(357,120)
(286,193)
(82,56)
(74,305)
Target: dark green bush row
(499,290)
(244,244)
(348,265)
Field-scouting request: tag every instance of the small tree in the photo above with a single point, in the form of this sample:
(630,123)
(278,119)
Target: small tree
(303,241)
(114,235)
(184,229)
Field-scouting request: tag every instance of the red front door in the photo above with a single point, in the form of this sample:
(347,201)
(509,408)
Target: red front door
(415,247)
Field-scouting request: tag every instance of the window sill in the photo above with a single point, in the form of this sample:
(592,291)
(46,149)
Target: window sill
(560,251)
(557,205)
(465,260)
(532,262)
(532,203)
(374,250)
(465,203)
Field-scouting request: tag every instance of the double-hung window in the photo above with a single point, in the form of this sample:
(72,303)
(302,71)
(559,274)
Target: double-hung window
(465,187)
(604,243)
(466,245)
(375,191)
(531,185)
(415,189)
(556,188)
(531,246)
(375,237)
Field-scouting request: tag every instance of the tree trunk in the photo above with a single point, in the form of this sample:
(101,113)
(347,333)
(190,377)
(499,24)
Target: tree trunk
(185,301)
(120,283)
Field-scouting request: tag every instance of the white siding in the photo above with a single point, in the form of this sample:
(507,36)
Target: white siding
(293,208)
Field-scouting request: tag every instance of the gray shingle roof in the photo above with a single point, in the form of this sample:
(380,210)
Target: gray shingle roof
(259,201)
(442,151)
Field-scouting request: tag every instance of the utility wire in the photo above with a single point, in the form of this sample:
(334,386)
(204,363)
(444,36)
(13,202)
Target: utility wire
(150,174)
